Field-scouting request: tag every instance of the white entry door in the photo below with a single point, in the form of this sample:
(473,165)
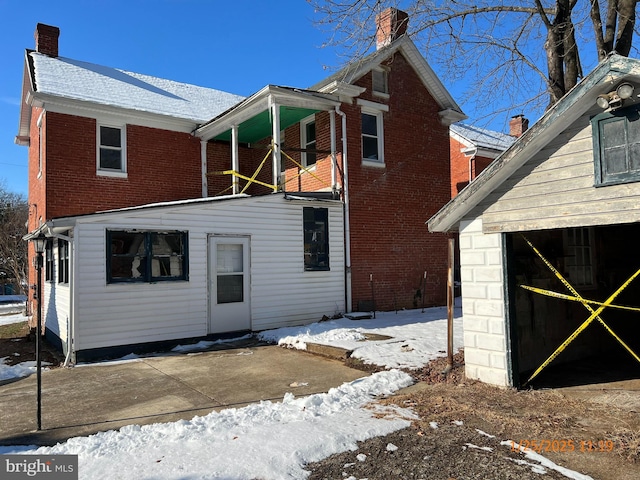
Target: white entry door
(229,284)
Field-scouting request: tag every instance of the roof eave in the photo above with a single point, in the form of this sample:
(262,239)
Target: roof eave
(24,124)
(569,109)
(261,101)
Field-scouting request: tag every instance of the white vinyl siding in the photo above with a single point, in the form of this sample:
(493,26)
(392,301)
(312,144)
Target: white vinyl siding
(555,189)
(56,300)
(282,292)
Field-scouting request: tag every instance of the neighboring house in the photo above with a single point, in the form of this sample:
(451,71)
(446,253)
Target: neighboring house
(373,137)
(570,185)
(474,148)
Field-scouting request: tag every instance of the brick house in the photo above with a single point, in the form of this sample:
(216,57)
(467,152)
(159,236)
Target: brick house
(374,137)
(474,148)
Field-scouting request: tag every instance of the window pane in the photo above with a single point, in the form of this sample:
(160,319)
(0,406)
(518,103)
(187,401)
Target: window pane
(310,130)
(110,137)
(379,81)
(229,289)
(369,125)
(370,148)
(615,160)
(229,258)
(110,159)
(316,238)
(167,252)
(613,134)
(128,257)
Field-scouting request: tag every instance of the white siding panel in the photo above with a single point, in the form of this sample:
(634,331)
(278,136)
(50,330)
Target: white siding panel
(555,189)
(282,293)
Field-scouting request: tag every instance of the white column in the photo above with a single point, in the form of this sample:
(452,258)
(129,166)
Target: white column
(277,157)
(235,161)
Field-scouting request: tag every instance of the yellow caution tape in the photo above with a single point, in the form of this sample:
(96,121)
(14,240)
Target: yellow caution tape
(595,314)
(563,296)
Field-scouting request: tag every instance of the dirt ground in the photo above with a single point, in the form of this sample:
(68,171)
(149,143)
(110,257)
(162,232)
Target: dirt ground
(466,413)
(472,420)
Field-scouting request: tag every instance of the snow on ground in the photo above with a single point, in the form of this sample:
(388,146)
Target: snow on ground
(417,337)
(276,440)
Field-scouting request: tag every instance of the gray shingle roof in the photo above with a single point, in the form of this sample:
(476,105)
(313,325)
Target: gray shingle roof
(73,79)
(482,137)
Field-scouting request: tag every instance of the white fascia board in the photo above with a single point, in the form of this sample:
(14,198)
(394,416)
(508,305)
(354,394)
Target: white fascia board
(373,105)
(81,108)
(24,125)
(462,140)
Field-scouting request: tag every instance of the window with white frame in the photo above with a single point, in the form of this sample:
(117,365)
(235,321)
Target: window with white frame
(308,140)
(372,136)
(111,150)
(579,256)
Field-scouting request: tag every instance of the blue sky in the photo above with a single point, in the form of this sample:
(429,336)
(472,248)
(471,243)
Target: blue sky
(238,46)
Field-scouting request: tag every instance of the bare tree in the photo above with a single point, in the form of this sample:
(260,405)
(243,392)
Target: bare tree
(14,212)
(509,56)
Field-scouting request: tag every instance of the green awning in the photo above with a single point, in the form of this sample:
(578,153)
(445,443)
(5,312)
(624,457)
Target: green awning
(260,126)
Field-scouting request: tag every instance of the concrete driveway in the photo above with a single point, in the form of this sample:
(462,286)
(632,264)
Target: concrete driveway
(87,399)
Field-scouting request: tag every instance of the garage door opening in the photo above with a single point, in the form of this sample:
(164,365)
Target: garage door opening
(596,262)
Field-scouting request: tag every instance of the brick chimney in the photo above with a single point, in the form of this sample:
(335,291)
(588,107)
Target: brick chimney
(47,39)
(390,25)
(518,125)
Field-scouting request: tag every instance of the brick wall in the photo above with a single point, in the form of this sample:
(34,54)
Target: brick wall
(161,166)
(484,317)
(460,166)
(390,205)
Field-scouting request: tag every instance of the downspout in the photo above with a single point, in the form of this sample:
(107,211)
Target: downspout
(334,178)
(203,162)
(71,354)
(347,228)
(472,155)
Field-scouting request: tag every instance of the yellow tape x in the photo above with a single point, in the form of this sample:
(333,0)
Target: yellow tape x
(595,314)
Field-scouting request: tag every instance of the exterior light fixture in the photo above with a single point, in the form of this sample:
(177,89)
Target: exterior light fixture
(624,90)
(615,98)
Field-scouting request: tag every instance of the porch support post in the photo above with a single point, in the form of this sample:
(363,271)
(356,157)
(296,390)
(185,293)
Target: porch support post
(235,160)
(203,162)
(277,157)
(332,122)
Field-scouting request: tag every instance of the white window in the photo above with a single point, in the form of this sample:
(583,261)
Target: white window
(308,140)
(380,83)
(372,137)
(112,160)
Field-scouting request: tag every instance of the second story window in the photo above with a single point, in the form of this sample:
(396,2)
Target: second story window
(111,150)
(308,140)
(372,149)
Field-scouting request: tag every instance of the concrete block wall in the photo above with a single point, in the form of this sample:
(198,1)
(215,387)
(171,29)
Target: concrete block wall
(483,306)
